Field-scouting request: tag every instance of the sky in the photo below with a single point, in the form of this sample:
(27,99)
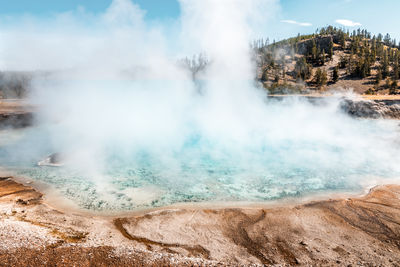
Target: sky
(292,17)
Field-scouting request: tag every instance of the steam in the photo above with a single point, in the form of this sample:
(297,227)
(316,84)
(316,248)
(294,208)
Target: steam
(110,92)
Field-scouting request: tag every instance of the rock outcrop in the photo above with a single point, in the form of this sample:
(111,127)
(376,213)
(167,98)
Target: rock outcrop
(370,109)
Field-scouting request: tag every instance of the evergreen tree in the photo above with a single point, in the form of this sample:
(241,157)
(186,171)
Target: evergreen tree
(342,62)
(276,80)
(396,71)
(380,37)
(385,65)
(350,64)
(314,50)
(318,77)
(373,51)
(388,83)
(378,77)
(368,66)
(302,69)
(324,77)
(342,41)
(330,50)
(335,74)
(321,77)
(387,39)
(298,38)
(393,86)
(392,90)
(396,66)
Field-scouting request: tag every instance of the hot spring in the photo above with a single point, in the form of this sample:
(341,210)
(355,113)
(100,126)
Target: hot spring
(272,150)
(137,130)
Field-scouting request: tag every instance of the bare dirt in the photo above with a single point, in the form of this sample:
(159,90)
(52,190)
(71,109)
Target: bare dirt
(14,106)
(342,232)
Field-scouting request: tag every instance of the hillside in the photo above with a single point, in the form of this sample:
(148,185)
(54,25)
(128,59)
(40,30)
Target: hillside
(330,59)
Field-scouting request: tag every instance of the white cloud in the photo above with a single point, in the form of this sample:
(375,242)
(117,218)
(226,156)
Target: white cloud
(348,23)
(305,24)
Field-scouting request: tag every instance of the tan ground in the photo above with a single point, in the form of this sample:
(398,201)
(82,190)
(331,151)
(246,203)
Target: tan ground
(360,231)
(14,106)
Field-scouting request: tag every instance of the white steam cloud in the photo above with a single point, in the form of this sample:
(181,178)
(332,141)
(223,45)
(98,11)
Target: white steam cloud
(113,87)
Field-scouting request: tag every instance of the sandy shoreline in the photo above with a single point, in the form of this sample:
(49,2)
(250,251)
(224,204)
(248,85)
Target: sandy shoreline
(353,230)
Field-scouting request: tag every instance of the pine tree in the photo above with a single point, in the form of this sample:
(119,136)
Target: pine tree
(335,74)
(350,64)
(314,50)
(380,37)
(342,62)
(321,77)
(373,49)
(387,39)
(302,69)
(318,77)
(362,68)
(393,85)
(388,83)
(396,71)
(324,77)
(330,51)
(385,65)
(396,66)
(298,38)
(342,41)
(378,77)
(276,80)
(367,66)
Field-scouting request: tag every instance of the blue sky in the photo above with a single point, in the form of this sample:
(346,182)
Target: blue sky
(294,16)
(376,16)
(156,9)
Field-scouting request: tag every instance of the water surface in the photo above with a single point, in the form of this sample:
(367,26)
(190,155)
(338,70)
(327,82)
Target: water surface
(203,170)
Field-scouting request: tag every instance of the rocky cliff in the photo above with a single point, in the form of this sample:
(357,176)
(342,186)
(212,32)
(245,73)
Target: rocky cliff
(371,109)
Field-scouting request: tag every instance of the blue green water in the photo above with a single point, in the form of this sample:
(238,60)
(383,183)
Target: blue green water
(203,170)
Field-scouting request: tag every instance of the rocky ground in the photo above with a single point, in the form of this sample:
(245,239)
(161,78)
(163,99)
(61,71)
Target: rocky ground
(363,108)
(362,231)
